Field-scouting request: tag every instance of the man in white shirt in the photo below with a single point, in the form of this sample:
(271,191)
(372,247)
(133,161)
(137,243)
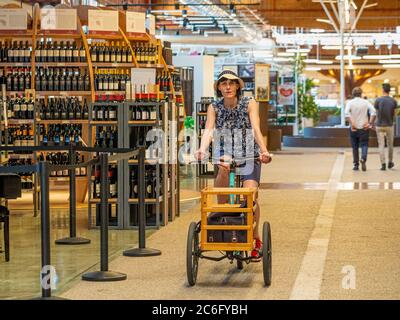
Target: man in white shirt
(361,115)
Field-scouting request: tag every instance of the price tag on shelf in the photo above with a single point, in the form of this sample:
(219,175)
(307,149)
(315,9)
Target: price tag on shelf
(135,22)
(103,21)
(13,19)
(58,19)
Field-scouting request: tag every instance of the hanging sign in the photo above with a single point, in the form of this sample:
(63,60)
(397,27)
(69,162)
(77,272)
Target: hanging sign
(151,24)
(103,21)
(13,19)
(286,94)
(261,79)
(58,19)
(135,23)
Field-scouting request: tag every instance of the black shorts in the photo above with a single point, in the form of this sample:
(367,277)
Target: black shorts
(250,170)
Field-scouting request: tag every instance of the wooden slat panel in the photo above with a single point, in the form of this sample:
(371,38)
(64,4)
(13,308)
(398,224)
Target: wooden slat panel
(225,209)
(226,227)
(226,246)
(244,191)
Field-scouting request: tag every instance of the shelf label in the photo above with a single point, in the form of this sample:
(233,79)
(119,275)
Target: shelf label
(58,19)
(13,19)
(135,22)
(151,24)
(142,79)
(103,21)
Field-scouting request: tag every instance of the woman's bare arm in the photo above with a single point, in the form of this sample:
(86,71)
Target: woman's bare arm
(208,132)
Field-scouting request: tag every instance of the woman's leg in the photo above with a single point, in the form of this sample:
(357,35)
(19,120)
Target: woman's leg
(254,184)
(222,181)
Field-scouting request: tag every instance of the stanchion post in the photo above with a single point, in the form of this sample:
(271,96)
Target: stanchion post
(72,196)
(72,206)
(45,226)
(142,197)
(142,251)
(104,274)
(45,232)
(103,212)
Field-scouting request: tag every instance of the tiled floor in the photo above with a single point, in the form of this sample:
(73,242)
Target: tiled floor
(19,278)
(323,217)
(364,234)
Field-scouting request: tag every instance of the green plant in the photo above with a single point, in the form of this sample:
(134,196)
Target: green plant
(306,102)
(338,112)
(307,107)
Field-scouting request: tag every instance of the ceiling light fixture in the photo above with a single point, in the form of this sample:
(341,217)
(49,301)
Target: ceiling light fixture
(397,61)
(312,68)
(348,57)
(336,47)
(391,66)
(311,60)
(299,50)
(324,21)
(286,54)
(324,62)
(282,59)
(376,57)
(317,30)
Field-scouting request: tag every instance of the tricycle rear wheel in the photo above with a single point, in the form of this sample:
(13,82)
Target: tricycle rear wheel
(267,254)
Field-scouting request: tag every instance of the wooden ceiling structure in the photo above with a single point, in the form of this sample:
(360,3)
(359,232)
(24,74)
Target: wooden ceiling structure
(303,14)
(287,13)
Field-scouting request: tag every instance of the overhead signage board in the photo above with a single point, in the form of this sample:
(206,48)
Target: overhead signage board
(103,21)
(135,22)
(58,19)
(13,19)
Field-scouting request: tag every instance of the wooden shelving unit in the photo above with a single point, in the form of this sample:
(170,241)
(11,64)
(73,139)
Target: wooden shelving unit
(79,36)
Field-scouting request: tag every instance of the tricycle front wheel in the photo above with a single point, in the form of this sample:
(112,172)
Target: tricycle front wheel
(192,259)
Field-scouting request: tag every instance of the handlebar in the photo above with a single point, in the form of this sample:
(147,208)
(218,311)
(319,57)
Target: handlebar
(233,161)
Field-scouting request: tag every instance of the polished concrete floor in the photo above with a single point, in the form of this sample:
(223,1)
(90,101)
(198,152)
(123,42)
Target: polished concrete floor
(335,235)
(332,237)
(19,278)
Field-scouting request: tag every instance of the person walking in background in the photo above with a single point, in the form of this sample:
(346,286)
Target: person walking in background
(357,111)
(385,112)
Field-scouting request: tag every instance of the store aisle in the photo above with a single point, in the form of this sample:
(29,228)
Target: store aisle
(364,233)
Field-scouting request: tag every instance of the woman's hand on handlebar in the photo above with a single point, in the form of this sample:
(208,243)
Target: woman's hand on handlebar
(265,157)
(199,155)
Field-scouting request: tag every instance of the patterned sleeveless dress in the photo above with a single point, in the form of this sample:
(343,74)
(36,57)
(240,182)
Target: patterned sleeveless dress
(234,130)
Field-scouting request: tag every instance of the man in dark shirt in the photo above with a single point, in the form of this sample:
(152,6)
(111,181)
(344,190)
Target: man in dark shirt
(385,111)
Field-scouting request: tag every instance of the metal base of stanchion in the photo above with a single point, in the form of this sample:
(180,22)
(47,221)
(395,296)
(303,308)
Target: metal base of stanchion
(141,252)
(104,276)
(50,298)
(72,241)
